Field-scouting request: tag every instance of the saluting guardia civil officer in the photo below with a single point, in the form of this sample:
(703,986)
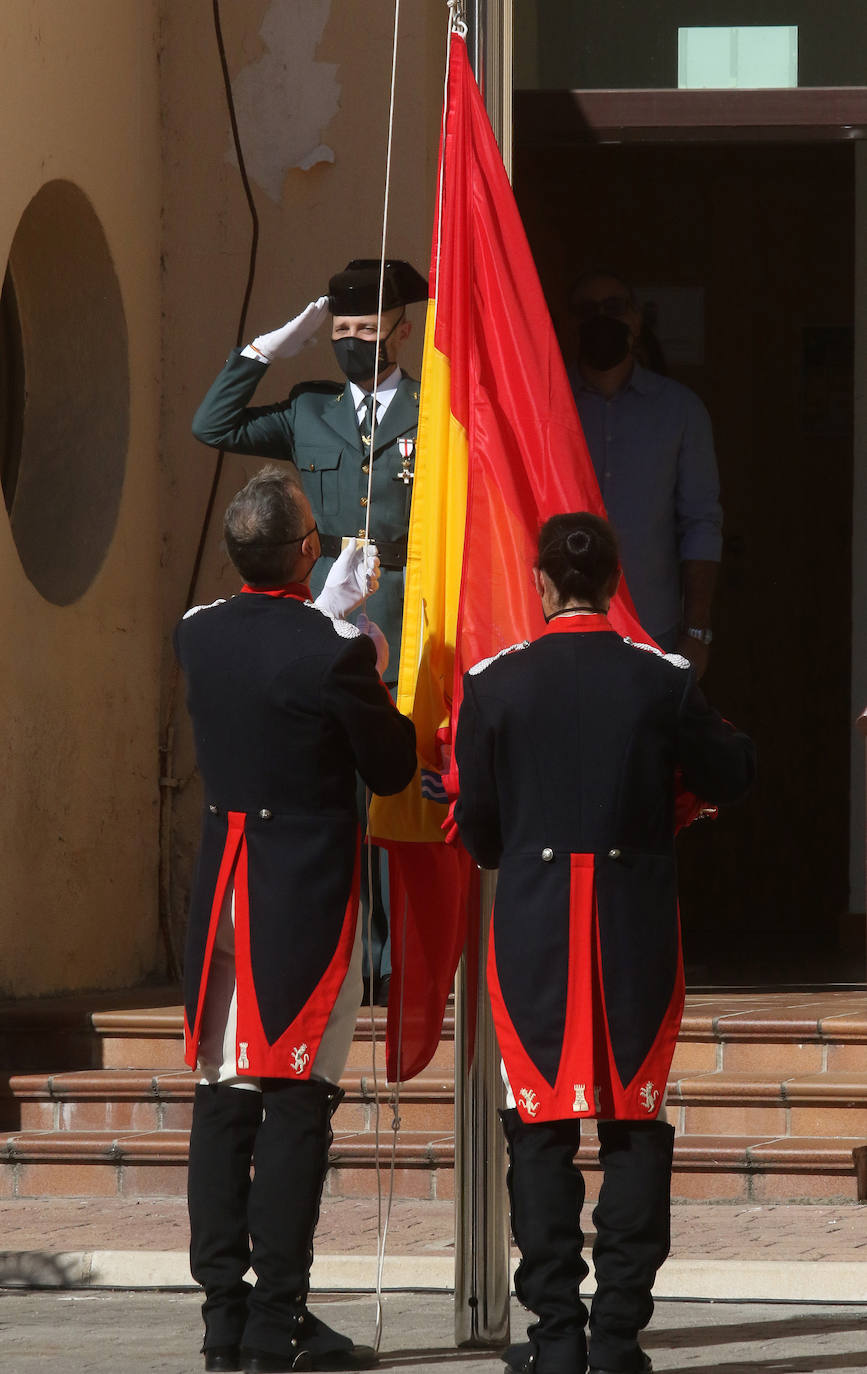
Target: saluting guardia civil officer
(326,428)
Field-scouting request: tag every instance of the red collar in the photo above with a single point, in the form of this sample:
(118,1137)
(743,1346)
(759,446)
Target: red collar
(577,624)
(297,590)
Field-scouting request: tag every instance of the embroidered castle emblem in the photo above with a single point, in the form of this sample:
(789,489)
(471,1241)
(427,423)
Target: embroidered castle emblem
(530,1101)
(243,1061)
(649,1096)
(300,1058)
(580,1103)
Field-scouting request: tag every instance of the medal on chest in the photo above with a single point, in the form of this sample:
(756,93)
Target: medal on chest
(406,449)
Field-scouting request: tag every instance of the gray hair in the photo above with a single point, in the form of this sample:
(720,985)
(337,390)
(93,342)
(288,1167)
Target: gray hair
(264,525)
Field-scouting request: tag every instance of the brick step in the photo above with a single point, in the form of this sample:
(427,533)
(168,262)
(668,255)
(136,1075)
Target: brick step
(72,1033)
(823,1104)
(59,1033)
(153,1164)
(138,1100)
(706,1168)
(726,1103)
(773,1033)
(738,1032)
(768,1093)
(360,1052)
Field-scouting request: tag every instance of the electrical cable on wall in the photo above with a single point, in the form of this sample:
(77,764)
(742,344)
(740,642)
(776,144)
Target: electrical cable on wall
(248,289)
(169,784)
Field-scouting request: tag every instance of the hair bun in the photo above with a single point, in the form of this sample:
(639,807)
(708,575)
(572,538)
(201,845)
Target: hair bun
(579,543)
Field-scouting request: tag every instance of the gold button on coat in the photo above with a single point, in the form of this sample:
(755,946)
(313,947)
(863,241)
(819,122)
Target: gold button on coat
(364,500)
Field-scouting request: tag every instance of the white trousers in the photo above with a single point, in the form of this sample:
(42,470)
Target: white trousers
(217,1043)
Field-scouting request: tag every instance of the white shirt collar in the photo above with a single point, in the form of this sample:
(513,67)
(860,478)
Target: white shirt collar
(384,392)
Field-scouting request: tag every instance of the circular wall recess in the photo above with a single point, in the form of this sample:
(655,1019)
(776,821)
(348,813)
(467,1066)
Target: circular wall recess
(64,380)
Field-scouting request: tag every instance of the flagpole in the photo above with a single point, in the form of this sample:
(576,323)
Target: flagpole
(482,1273)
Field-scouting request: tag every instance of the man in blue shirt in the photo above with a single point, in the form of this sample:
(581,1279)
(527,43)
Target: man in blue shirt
(651,444)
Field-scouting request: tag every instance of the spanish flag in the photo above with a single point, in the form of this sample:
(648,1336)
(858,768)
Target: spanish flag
(499,450)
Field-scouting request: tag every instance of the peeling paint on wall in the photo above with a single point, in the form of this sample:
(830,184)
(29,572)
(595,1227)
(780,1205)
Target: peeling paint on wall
(286,99)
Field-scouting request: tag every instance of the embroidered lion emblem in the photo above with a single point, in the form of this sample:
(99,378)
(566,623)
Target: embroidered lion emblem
(530,1101)
(300,1058)
(649,1096)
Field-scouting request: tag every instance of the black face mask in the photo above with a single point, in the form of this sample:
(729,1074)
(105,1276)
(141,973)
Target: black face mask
(604,342)
(356,358)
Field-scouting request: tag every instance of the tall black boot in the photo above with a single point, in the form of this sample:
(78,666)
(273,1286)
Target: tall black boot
(225,1122)
(546,1192)
(633,1237)
(290,1162)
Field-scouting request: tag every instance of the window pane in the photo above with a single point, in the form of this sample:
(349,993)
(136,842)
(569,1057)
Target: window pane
(633,45)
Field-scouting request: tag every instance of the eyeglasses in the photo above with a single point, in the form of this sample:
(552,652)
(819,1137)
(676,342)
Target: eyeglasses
(299,539)
(615,306)
(279,543)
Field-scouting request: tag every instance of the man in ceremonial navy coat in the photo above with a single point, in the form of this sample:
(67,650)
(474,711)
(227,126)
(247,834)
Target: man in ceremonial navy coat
(287,707)
(567,752)
(328,429)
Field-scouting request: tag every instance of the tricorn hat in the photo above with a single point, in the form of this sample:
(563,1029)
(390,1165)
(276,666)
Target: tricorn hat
(355,290)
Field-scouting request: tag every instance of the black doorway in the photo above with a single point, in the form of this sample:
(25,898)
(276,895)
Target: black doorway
(762,235)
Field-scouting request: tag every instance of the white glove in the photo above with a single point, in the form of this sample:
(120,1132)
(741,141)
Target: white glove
(370,627)
(295,334)
(354,576)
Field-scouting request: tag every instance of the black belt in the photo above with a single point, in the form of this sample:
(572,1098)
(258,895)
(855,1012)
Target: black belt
(392,552)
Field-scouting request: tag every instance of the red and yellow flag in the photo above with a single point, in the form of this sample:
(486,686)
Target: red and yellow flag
(499,450)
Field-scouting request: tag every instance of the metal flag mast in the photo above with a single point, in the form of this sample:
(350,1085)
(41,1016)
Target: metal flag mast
(482,1274)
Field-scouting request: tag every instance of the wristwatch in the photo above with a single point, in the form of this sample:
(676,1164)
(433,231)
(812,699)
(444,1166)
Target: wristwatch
(703,636)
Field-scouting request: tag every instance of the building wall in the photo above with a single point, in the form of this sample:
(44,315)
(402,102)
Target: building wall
(129,271)
(79,663)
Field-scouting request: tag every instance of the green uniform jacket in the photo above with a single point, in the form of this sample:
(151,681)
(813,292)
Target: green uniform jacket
(315,427)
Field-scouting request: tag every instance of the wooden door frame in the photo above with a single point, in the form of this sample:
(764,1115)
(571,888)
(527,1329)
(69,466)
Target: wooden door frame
(564,118)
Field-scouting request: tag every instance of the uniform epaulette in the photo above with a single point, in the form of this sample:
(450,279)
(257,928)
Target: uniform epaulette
(486,662)
(194,610)
(323,388)
(676,660)
(340,627)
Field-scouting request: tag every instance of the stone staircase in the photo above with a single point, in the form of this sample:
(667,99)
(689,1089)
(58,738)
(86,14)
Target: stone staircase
(768,1094)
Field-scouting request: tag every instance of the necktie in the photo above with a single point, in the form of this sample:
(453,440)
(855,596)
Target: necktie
(365,423)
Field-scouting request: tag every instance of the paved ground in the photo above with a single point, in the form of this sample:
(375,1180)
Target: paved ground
(115,1333)
(348,1226)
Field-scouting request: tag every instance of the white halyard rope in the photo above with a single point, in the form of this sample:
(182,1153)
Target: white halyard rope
(381,1231)
(455,24)
(382,265)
